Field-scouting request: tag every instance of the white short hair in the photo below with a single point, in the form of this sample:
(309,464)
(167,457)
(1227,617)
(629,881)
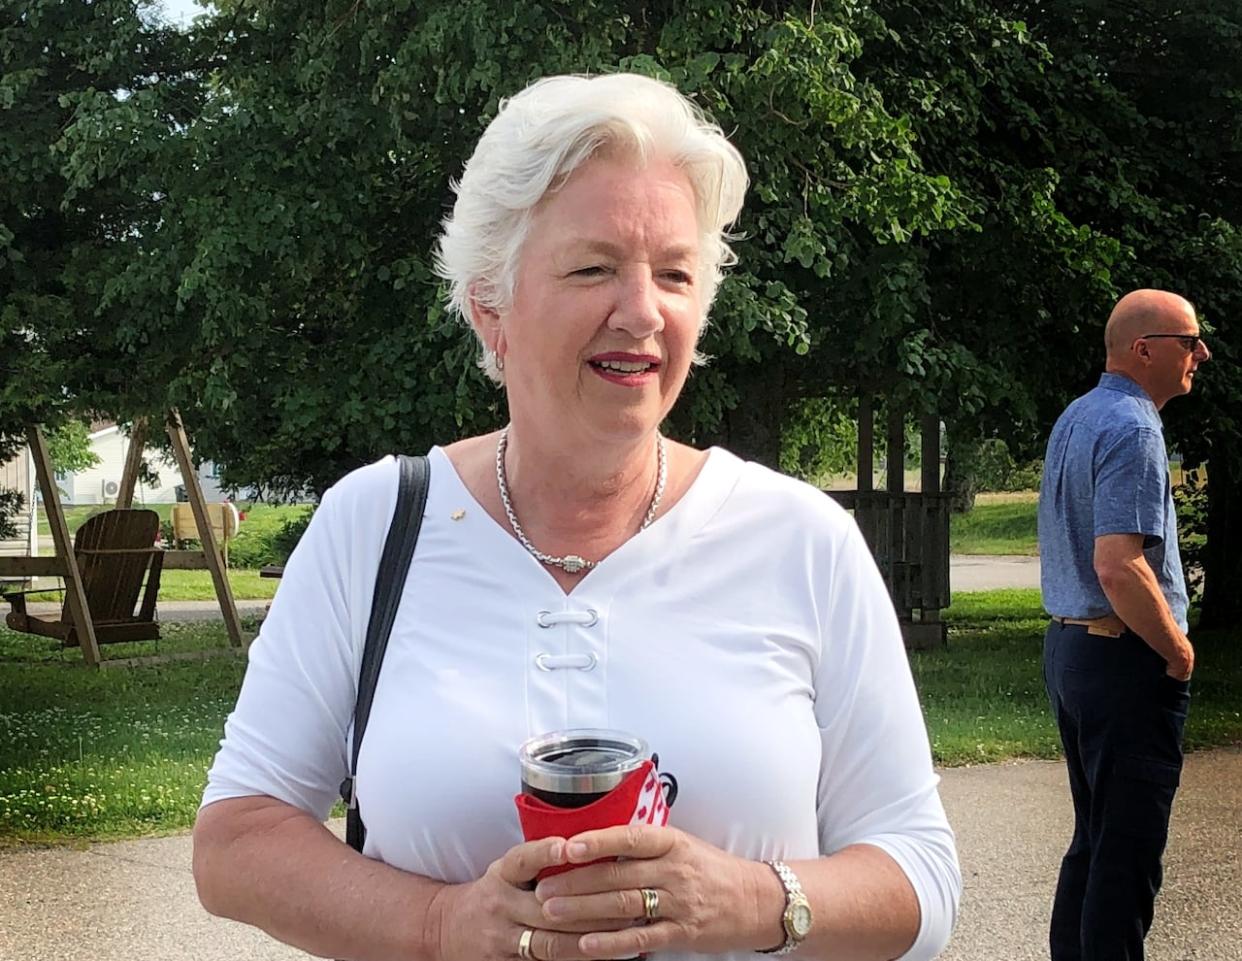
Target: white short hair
(539,137)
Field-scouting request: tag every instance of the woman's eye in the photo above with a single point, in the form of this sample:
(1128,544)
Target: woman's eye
(593,271)
(679,276)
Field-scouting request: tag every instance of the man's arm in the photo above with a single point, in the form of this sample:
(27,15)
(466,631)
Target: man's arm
(1131,587)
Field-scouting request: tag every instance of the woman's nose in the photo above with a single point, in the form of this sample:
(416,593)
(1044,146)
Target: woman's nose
(637,311)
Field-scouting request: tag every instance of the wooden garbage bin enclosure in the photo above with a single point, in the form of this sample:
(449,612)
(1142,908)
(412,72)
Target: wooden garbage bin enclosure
(907,531)
(908,534)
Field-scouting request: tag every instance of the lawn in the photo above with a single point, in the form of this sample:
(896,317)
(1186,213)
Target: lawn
(197,586)
(111,753)
(983,696)
(77,514)
(259,541)
(262,515)
(998,524)
(124,751)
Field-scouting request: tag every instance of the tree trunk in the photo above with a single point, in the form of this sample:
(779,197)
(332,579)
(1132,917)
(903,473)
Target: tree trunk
(1222,560)
(960,475)
(752,429)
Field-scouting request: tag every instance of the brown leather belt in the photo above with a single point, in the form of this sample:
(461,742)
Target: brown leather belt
(1110,625)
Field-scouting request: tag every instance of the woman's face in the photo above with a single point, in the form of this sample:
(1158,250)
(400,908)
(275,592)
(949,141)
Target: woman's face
(602,330)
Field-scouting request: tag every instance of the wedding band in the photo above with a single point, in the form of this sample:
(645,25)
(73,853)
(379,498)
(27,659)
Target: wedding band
(651,903)
(524,941)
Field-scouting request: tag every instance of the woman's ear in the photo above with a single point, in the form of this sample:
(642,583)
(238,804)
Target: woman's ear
(485,320)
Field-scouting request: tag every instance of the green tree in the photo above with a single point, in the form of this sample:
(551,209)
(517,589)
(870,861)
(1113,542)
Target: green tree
(946,198)
(291,257)
(1154,121)
(69,447)
(61,232)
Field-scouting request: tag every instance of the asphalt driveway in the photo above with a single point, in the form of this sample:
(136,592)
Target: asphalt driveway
(135,899)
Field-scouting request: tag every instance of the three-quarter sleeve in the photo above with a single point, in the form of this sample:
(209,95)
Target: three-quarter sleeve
(877,785)
(287,736)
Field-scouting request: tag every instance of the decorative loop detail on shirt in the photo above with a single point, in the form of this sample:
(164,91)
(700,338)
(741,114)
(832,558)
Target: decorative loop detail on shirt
(587,618)
(558,662)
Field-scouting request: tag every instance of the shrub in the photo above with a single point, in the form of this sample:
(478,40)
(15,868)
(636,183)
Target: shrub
(290,533)
(996,470)
(11,504)
(1190,498)
(268,535)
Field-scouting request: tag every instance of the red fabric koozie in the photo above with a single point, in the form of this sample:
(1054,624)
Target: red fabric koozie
(638,799)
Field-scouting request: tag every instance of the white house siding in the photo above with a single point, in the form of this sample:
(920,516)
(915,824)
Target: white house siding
(87,486)
(19,474)
(212,491)
(111,446)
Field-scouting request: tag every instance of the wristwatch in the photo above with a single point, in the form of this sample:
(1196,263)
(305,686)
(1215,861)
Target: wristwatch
(797,917)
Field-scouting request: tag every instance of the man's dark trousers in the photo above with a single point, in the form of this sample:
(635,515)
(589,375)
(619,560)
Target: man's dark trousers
(1121,719)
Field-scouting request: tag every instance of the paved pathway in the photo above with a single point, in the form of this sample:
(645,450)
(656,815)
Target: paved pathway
(981,573)
(1014,820)
(135,899)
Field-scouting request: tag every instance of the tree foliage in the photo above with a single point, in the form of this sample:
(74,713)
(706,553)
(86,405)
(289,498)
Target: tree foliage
(63,231)
(1149,141)
(291,258)
(947,196)
(69,448)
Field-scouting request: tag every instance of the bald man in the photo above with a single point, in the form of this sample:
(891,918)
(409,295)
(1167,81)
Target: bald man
(1117,661)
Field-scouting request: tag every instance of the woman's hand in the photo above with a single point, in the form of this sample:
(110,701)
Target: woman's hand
(709,901)
(485,919)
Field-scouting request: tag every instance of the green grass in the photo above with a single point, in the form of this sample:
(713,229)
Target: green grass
(77,514)
(253,542)
(197,586)
(1002,526)
(124,751)
(259,517)
(983,696)
(112,753)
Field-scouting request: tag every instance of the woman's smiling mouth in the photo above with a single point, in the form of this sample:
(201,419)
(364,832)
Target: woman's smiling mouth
(629,369)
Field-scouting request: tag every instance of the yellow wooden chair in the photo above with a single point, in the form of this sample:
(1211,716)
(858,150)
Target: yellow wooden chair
(223,519)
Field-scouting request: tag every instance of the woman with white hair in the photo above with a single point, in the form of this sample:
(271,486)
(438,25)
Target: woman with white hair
(574,570)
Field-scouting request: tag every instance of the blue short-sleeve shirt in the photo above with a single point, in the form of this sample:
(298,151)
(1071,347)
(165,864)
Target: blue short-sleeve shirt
(1106,472)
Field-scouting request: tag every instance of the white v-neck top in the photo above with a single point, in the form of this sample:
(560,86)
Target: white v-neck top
(746,634)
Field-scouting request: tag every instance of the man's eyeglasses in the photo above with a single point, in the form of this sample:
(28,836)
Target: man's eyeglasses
(1190,342)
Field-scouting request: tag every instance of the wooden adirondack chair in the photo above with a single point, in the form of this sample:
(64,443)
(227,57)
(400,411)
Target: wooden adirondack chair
(115,551)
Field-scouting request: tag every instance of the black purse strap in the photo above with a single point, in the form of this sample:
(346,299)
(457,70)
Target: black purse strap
(407,519)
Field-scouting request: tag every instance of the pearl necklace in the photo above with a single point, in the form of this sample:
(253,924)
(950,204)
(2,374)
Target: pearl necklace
(570,563)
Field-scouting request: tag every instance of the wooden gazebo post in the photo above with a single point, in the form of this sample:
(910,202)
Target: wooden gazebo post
(133,461)
(866,444)
(75,594)
(934,567)
(907,531)
(207,537)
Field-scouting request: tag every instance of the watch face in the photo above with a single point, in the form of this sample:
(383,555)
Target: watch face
(800,919)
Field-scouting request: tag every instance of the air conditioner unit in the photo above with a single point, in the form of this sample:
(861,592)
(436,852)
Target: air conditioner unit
(110,489)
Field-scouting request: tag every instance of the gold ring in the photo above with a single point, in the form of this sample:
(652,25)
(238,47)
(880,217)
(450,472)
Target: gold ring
(651,903)
(524,951)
